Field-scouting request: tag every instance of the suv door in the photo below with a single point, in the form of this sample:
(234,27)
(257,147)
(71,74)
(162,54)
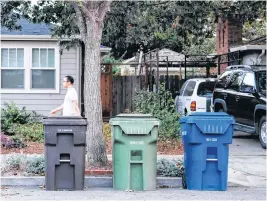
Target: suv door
(219,92)
(246,100)
(232,89)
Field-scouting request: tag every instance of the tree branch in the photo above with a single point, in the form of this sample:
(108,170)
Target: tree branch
(80,20)
(104,7)
(84,8)
(160,3)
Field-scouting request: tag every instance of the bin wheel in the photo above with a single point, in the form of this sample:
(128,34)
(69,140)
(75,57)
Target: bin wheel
(184,181)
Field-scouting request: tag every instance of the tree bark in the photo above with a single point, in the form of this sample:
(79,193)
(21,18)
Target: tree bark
(96,146)
(90,16)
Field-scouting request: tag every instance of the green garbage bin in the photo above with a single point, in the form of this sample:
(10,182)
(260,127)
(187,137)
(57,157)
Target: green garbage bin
(134,152)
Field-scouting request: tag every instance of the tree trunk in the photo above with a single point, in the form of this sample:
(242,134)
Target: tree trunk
(96,145)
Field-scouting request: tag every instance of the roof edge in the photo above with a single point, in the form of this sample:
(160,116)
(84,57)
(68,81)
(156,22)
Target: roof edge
(40,38)
(248,47)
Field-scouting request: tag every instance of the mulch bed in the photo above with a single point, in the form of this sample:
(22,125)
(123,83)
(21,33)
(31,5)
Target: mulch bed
(31,148)
(168,147)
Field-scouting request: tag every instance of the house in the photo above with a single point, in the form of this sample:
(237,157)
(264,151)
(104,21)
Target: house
(32,68)
(232,50)
(165,56)
(252,53)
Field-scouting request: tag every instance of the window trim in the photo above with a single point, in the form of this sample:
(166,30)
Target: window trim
(28,69)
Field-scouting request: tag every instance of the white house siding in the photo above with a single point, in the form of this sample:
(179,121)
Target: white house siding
(251,58)
(43,103)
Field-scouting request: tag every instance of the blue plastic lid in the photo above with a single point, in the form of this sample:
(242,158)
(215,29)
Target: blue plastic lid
(209,114)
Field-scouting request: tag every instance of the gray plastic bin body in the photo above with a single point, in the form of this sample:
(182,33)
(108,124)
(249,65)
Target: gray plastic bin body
(65,142)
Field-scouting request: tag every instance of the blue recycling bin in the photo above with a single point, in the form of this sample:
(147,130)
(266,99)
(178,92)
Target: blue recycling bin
(206,138)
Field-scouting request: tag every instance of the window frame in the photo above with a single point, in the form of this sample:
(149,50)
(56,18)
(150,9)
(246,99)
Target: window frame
(12,68)
(28,68)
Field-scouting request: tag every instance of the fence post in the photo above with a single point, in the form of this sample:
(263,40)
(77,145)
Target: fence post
(185,67)
(157,70)
(219,64)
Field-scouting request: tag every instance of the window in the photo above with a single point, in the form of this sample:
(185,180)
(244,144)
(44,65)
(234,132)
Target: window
(225,77)
(205,88)
(12,68)
(235,81)
(189,88)
(248,83)
(29,68)
(182,89)
(43,68)
(261,81)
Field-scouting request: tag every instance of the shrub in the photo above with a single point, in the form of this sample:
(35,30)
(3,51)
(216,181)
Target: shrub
(11,114)
(30,132)
(17,142)
(23,164)
(6,141)
(35,165)
(107,131)
(168,168)
(15,162)
(161,105)
(11,142)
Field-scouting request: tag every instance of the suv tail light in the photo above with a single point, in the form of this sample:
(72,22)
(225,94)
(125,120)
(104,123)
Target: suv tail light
(193,106)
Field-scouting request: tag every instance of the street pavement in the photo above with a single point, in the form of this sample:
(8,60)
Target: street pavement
(233,193)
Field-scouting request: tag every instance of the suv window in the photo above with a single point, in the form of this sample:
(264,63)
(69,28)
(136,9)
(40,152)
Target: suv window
(182,89)
(224,79)
(261,81)
(189,88)
(235,81)
(248,83)
(205,88)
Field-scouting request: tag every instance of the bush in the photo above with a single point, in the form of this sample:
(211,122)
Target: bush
(107,131)
(11,114)
(30,132)
(24,165)
(35,165)
(15,162)
(169,168)
(161,105)
(11,142)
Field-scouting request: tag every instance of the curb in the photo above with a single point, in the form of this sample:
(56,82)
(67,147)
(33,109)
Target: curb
(90,181)
(98,172)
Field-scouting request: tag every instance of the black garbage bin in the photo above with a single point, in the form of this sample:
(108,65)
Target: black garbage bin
(65,142)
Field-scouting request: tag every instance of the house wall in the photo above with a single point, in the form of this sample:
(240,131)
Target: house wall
(43,103)
(251,58)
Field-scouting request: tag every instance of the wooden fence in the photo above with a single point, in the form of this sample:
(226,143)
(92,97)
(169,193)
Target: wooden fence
(124,89)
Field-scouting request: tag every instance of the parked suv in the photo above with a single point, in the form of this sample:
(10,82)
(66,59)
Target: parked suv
(195,96)
(241,92)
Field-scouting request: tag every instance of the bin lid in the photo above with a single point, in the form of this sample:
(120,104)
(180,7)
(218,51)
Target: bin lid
(210,122)
(65,121)
(139,124)
(135,115)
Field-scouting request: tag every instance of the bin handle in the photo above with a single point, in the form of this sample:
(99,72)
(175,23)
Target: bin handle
(64,161)
(211,159)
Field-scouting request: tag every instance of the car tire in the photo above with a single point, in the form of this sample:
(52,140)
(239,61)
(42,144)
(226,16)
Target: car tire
(184,181)
(262,132)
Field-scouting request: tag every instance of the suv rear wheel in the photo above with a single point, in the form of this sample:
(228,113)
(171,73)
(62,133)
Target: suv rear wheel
(262,132)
